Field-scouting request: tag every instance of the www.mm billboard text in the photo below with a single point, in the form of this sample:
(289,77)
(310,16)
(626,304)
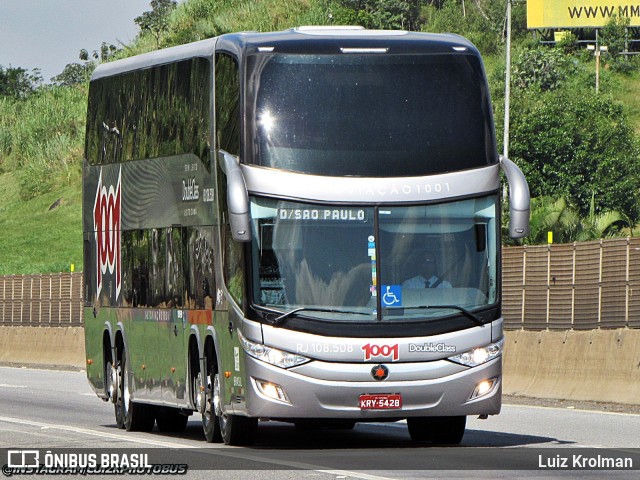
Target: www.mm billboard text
(579,13)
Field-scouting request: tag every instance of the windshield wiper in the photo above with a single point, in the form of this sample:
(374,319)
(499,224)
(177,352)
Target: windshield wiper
(474,318)
(279,320)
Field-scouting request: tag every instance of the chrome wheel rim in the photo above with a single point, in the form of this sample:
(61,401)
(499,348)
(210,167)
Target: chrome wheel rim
(217,403)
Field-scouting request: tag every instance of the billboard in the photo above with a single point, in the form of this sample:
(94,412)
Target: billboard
(579,13)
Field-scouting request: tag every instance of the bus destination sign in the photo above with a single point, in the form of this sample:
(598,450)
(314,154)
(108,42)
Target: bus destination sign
(327,214)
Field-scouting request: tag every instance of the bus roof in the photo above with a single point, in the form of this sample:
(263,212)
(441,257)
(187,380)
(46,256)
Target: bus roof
(203,48)
(336,40)
(312,40)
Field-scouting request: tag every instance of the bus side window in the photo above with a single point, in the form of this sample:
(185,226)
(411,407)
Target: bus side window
(199,277)
(175,270)
(88,270)
(227,109)
(227,98)
(127,268)
(140,268)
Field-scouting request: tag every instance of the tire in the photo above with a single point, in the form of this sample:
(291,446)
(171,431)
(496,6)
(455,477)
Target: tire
(437,430)
(130,415)
(170,420)
(118,404)
(210,423)
(234,429)
(237,430)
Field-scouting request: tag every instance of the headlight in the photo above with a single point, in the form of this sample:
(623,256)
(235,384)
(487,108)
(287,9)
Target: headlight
(271,355)
(479,355)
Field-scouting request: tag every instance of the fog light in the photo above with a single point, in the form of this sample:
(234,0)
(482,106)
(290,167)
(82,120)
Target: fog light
(272,390)
(484,387)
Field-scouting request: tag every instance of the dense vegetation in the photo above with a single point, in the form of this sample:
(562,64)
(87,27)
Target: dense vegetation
(580,151)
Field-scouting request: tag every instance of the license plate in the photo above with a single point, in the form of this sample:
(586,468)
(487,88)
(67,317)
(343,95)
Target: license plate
(381,401)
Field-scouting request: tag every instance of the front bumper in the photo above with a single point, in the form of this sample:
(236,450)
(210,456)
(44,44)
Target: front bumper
(321,390)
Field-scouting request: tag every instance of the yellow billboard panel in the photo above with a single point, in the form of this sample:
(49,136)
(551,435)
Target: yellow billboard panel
(580,13)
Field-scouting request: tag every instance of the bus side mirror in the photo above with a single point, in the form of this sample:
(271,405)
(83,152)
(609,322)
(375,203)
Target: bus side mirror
(519,199)
(237,197)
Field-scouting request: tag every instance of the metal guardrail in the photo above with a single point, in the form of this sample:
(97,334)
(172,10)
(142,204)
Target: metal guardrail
(579,286)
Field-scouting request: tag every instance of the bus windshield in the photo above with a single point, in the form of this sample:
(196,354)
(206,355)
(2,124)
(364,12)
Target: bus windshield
(376,115)
(409,263)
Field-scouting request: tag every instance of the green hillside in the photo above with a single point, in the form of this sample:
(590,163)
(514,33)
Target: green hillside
(41,134)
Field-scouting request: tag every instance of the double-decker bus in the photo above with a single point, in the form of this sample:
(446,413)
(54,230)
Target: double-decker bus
(259,209)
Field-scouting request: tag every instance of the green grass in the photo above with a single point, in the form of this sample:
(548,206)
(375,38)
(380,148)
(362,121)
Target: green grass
(627,90)
(34,239)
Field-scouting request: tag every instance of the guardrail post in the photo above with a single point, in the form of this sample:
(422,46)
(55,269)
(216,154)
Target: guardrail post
(573,286)
(40,301)
(600,287)
(626,283)
(524,283)
(548,283)
(70,298)
(50,297)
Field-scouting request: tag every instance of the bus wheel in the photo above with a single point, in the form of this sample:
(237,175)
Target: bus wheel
(234,429)
(438,430)
(205,403)
(118,403)
(171,420)
(134,416)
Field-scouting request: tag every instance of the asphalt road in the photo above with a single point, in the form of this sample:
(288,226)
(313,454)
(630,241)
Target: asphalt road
(49,410)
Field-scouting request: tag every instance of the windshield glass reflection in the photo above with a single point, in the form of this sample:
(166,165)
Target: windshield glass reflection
(368,115)
(419,262)
(438,255)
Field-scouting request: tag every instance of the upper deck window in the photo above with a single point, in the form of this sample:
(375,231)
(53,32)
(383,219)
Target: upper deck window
(373,115)
(153,112)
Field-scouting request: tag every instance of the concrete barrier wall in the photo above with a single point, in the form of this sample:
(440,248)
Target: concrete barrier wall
(43,346)
(596,365)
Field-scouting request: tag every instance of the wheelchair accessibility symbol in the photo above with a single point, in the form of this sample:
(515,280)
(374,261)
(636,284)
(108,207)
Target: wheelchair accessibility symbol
(392,296)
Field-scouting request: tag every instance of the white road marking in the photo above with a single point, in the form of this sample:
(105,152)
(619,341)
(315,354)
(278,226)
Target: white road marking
(225,451)
(6,385)
(577,410)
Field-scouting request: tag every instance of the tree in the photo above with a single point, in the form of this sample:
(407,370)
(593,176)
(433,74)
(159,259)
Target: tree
(378,14)
(559,216)
(573,144)
(78,73)
(542,68)
(74,74)
(614,36)
(156,21)
(555,215)
(481,22)
(18,82)
(106,53)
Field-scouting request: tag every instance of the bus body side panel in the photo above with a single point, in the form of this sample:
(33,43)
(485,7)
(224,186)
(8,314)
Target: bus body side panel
(94,331)
(232,361)
(156,346)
